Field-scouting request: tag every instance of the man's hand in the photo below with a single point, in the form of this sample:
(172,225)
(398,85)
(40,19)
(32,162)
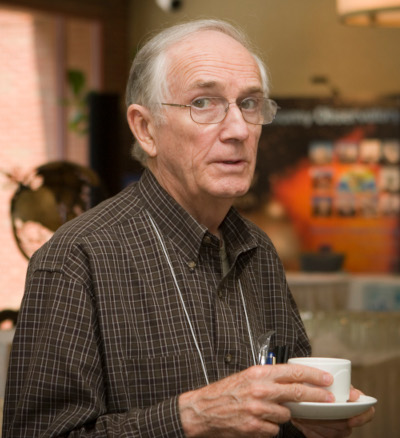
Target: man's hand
(335,428)
(249,403)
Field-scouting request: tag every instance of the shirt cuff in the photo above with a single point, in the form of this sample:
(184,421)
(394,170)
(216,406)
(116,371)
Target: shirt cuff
(161,420)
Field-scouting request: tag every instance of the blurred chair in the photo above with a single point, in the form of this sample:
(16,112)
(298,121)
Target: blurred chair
(8,321)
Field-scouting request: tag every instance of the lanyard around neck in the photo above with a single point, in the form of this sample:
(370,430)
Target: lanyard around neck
(164,249)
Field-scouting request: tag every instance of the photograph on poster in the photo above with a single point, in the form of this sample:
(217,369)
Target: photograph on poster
(368,206)
(391,151)
(346,151)
(370,150)
(321,152)
(356,179)
(389,180)
(321,206)
(321,178)
(389,204)
(345,205)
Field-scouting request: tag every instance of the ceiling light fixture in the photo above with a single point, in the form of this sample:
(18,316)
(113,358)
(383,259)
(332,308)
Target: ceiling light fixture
(379,13)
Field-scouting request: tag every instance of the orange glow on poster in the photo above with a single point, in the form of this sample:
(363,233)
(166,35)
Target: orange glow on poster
(368,240)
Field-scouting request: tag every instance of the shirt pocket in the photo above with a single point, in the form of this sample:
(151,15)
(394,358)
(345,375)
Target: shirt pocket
(154,379)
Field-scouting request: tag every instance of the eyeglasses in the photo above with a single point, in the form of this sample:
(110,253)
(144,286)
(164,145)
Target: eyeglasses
(210,110)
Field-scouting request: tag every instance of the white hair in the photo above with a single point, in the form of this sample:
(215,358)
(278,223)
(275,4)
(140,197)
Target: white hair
(147,83)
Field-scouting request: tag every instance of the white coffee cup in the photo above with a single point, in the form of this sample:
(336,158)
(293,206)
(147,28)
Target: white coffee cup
(340,370)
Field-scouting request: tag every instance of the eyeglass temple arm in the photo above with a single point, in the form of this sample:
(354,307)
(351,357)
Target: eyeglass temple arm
(175,104)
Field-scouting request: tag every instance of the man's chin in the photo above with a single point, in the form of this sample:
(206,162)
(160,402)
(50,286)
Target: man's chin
(229,187)
(232,193)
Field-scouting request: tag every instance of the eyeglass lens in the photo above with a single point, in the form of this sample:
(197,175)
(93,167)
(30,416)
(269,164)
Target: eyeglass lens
(259,111)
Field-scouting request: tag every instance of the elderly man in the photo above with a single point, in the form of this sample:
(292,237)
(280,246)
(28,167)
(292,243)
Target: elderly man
(141,317)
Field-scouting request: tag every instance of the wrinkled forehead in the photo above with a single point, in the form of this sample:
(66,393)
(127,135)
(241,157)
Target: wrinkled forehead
(210,57)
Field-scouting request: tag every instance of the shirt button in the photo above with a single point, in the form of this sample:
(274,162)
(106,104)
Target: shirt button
(192,265)
(220,293)
(228,358)
(207,240)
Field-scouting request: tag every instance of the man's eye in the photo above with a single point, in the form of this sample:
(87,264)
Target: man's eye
(202,103)
(249,104)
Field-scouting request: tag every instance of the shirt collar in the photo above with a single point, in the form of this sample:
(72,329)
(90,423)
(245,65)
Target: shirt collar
(188,235)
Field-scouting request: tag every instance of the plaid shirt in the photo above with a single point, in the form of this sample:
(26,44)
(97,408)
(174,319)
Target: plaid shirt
(103,347)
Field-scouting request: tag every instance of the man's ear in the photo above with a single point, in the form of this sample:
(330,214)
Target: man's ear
(141,123)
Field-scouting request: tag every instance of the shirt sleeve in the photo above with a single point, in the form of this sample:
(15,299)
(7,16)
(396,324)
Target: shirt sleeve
(289,431)
(57,385)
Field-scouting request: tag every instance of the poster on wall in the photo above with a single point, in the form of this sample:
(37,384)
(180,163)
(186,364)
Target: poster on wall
(328,178)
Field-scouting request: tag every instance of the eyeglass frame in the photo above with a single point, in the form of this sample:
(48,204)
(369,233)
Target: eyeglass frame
(178,105)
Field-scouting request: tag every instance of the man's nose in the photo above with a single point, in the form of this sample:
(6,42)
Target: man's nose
(236,126)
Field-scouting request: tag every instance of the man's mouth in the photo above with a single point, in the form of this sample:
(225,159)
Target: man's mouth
(232,161)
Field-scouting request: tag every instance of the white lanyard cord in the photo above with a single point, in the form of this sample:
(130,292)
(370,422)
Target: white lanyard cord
(180,295)
(248,323)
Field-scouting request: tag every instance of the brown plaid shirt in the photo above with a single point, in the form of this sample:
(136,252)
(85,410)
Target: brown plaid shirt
(103,348)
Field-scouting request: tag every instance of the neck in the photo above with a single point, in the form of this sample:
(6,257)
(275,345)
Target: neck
(210,215)
(207,210)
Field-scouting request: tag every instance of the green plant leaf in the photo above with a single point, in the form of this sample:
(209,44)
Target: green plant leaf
(77,80)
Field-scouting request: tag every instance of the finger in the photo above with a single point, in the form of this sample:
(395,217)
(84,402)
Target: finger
(323,429)
(354,394)
(275,413)
(263,420)
(297,392)
(266,429)
(301,373)
(363,418)
(283,383)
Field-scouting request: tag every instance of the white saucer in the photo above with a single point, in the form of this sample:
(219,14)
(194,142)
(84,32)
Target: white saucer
(330,411)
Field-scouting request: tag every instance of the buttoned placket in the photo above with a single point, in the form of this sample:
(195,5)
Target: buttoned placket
(227,335)
(222,312)
(226,344)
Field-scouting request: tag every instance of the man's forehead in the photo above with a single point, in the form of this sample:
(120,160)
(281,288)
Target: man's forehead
(207,58)
(219,86)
